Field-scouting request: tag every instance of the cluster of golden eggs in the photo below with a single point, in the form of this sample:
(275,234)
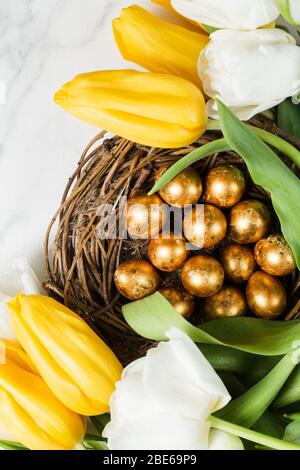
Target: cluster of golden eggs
(248,261)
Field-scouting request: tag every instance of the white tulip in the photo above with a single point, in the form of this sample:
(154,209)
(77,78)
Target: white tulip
(250,71)
(21,278)
(290,10)
(164,399)
(231,14)
(295,11)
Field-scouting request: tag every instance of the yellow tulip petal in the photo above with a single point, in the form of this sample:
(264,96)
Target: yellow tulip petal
(15,420)
(32,414)
(75,363)
(13,352)
(148,108)
(164,3)
(157,45)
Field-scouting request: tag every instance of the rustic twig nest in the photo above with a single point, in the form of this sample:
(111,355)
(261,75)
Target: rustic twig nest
(81,266)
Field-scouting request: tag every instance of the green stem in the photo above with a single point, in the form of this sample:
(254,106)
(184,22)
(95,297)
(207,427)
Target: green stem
(206,150)
(269,138)
(253,436)
(249,407)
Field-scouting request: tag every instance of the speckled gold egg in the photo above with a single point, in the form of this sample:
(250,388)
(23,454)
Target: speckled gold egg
(145,216)
(238,262)
(168,254)
(182,301)
(202,276)
(266,296)
(136,279)
(228,302)
(185,188)
(249,221)
(205,226)
(274,255)
(225,186)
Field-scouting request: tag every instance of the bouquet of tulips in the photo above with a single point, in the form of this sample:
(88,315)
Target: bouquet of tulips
(223,385)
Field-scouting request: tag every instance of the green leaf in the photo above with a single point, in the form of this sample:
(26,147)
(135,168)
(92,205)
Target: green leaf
(292,432)
(288,118)
(228,360)
(290,392)
(267,171)
(100,422)
(293,416)
(271,424)
(210,29)
(93,442)
(249,407)
(204,151)
(233,384)
(153,316)
(10,445)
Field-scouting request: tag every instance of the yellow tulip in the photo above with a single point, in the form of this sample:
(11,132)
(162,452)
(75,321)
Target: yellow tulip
(74,362)
(164,3)
(152,109)
(14,352)
(157,45)
(30,413)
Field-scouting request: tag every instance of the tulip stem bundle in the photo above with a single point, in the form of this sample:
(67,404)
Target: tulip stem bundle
(253,436)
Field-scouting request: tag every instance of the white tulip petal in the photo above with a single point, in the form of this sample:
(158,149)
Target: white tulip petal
(249,71)
(157,432)
(130,398)
(6,329)
(21,278)
(180,379)
(28,282)
(232,14)
(219,440)
(295,10)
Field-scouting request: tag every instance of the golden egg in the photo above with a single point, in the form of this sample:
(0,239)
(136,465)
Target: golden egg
(185,188)
(265,295)
(274,256)
(225,186)
(249,221)
(238,262)
(136,279)
(182,301)
(202,276)
(228,302)
(205,226)
(145,216)
(168,254)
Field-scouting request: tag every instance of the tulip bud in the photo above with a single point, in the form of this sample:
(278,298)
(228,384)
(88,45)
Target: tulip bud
(249,71)
(290,10)
(29,412)
(152,109)
(231,14)
(75,363)
(157,45)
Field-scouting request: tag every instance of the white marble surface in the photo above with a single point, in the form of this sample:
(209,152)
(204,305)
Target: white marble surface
(44,43)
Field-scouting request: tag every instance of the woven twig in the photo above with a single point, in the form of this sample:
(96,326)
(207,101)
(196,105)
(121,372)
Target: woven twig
(81,266)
